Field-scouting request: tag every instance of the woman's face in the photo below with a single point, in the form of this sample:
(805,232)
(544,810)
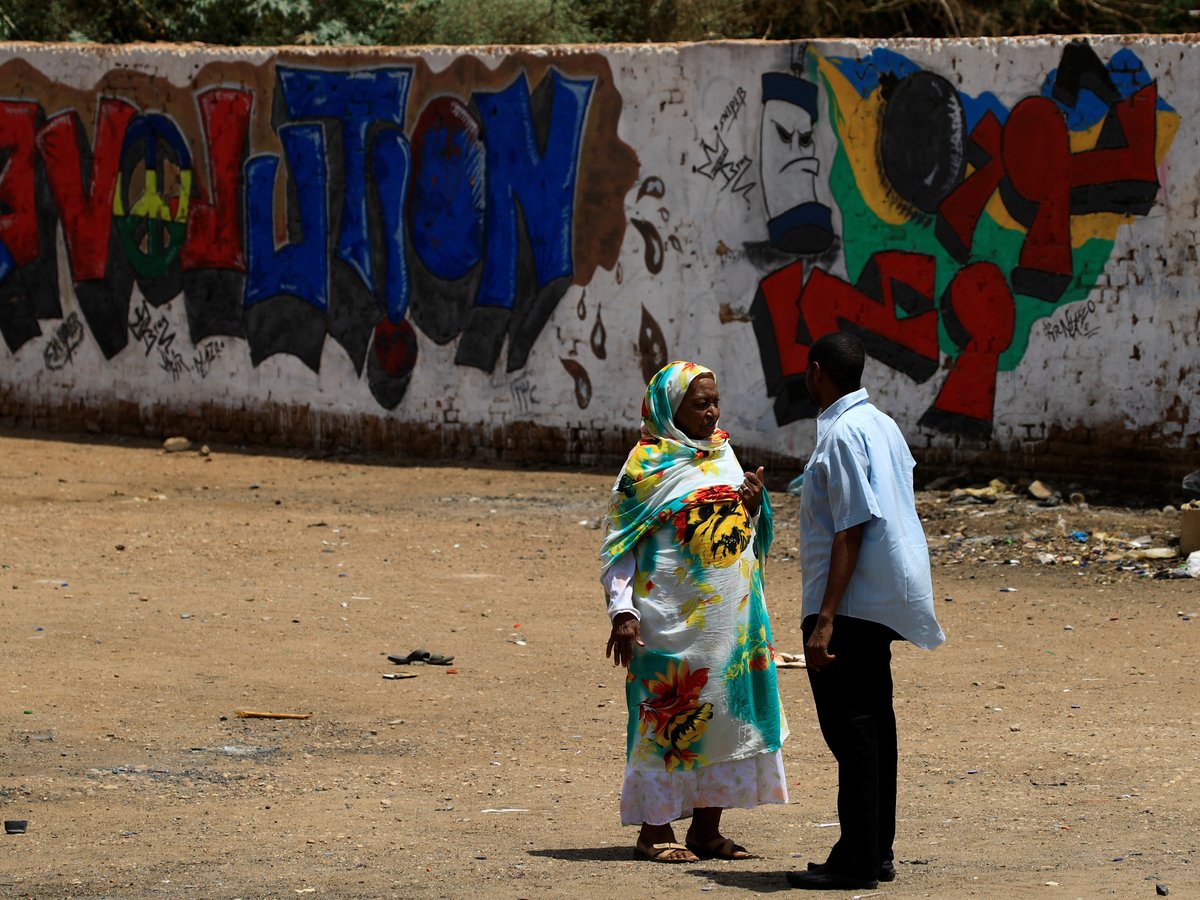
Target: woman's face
(700,408)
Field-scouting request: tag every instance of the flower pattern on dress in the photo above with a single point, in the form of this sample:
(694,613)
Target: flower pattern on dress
(673,717)
(754,653)
(714,531)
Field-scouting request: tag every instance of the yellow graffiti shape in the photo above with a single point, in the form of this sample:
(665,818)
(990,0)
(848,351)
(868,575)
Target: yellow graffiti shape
(858,125)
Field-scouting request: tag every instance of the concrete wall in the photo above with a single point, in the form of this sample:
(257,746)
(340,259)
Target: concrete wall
(484,253)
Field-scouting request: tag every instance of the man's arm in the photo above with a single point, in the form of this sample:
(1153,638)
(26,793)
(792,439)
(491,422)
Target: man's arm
(842,560)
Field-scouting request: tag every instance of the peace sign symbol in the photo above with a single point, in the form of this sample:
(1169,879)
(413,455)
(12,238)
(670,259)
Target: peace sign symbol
(153,227)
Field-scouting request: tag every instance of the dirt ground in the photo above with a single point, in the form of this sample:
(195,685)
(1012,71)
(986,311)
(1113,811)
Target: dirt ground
(1048,749)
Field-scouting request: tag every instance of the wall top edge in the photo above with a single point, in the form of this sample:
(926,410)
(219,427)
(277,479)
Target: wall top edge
(349,50)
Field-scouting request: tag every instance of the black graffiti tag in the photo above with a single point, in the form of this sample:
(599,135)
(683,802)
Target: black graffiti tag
(207,355)
(732,108)
(66,340)
(1073,323)
(719,166)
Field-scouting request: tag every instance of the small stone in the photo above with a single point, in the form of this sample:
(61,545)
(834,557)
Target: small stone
(1161,889)
(176,444)
(204,451)
(1014,727)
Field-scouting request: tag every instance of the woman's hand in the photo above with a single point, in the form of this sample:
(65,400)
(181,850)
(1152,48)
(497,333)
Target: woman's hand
(626,629)
(751,490)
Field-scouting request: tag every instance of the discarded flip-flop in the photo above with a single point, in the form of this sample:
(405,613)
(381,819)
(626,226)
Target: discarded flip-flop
(403,659)
(420,656)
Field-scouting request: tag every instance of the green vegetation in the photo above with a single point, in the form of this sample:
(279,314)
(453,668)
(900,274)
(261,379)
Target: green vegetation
(272,22)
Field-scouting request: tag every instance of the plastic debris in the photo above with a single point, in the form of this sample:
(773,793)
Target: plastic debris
(1154,553)
(1191,483)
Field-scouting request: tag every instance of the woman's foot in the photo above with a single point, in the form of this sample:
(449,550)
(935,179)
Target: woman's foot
(657,843)
(716,846)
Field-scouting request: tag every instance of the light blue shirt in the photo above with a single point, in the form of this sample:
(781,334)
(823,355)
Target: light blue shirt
(860,473)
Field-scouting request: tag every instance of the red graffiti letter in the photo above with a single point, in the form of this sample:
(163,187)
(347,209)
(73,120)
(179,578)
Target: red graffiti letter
(214,234)
(958,214)
(789,316)
(1037,160)
(82,181)
(978,312)
(18,181)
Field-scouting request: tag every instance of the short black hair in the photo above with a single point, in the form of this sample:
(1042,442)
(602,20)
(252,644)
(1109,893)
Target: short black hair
(841,356)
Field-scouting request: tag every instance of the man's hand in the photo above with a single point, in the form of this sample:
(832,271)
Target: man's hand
(626,629)
(751,490)
(816,648)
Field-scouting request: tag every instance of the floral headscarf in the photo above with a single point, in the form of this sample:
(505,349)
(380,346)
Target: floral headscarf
(668,471)
(664,393)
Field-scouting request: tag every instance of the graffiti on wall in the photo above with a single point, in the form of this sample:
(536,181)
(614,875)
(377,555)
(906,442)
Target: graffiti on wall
(963,222)
(290,204)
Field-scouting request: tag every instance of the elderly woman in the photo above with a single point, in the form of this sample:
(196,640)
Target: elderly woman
(686,537)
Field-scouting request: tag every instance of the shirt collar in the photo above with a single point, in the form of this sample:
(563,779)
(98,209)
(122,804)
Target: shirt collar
(834,411)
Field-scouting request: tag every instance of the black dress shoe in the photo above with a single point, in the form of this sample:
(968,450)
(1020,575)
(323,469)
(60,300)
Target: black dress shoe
(887,869)
(829,881)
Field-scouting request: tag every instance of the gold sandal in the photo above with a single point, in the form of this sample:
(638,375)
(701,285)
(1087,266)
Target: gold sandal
(661,852)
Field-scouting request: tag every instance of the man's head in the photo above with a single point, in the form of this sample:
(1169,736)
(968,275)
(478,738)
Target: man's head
(835,367)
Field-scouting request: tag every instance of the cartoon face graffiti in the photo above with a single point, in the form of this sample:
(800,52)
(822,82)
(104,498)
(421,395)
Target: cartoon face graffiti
(798,222)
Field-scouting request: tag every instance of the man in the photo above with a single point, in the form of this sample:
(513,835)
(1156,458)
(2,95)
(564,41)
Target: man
(866,583)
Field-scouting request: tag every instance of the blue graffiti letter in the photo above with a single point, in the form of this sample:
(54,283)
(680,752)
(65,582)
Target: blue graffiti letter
(357,100)
(391,160)
(543,182)
(301,268)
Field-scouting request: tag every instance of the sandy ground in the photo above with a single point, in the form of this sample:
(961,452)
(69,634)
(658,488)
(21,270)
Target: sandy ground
(1047,750)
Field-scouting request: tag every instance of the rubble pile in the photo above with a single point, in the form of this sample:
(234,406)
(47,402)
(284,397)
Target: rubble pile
(996,524)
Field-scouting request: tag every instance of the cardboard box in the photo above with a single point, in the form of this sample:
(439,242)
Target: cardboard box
(1189,531)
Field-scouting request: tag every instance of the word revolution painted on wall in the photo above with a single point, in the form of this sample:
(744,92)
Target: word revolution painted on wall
(353,213)
(965,221)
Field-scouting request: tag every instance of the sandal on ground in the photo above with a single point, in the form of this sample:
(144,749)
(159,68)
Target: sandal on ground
(719,848)
(420,656)
(662,852)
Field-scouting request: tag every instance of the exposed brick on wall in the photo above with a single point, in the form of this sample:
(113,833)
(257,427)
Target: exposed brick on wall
(1128,466)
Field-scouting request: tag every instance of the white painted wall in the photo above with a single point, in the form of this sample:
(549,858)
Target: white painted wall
(671,100)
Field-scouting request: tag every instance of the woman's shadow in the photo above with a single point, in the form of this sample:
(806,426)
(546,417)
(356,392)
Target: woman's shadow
(759,882)
(586,854)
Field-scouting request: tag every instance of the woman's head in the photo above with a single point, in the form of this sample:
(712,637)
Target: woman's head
(699,408)
(683,403)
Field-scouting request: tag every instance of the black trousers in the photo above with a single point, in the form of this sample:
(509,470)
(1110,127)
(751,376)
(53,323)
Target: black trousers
(853,696)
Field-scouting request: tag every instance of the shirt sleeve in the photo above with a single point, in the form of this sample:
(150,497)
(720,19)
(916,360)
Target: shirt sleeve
(852,501)
(618,586)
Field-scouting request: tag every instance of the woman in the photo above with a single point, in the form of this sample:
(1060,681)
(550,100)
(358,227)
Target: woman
(686,535)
